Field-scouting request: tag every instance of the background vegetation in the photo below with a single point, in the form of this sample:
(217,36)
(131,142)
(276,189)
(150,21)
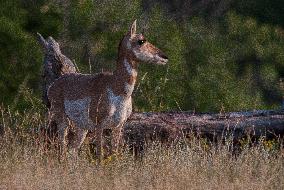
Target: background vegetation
(224,54)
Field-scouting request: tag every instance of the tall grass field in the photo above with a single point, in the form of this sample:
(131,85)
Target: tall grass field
(26,163)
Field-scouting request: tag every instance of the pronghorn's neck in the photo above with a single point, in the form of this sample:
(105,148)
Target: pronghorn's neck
(126,72)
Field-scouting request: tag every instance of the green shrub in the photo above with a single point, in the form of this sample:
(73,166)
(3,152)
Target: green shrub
(233,65)
(19,60)
(230,62)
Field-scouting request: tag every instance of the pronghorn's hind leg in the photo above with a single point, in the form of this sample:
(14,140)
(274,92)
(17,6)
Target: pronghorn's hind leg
(77,140)
(116,139)
(57,117)
(78,112)
(62,135)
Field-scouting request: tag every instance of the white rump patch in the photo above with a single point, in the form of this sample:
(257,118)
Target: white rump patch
(129,68)
(78,111)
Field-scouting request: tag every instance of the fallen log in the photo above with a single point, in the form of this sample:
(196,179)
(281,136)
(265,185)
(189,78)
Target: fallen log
(172,126)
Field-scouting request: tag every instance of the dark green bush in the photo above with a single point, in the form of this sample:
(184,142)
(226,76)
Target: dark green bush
(220,58)
(233,65)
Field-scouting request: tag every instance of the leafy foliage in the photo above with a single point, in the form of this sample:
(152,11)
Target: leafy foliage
(235,64)
(227,56)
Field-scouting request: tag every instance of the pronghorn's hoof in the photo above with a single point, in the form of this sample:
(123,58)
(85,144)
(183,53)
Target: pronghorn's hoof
(94,161)
(109,159)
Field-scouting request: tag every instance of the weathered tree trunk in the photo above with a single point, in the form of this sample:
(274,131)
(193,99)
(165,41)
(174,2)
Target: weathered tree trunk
(172,126)
(55,65)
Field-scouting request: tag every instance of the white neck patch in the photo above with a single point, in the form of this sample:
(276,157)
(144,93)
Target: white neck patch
(129,69)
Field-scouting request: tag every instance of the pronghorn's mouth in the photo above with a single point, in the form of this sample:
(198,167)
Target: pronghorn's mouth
(160,60)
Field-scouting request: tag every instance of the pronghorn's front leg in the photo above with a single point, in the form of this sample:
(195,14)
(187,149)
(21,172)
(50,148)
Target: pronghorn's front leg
(107,123)
(116,138)
(98,141)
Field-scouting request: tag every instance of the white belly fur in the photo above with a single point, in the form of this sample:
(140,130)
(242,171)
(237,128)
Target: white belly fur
(78,111)
(120,108)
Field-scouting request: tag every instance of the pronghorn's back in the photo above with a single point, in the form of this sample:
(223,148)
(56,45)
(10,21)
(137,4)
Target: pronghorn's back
(81,85)
(81,97)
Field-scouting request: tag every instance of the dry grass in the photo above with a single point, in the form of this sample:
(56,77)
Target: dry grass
(25,164)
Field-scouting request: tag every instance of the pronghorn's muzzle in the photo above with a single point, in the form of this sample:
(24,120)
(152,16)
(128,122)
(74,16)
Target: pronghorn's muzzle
(161,58)
(162,55)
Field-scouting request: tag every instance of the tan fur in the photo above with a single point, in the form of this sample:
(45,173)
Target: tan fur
(96,102)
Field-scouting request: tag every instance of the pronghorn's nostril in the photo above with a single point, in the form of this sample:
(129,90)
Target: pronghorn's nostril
(162,55)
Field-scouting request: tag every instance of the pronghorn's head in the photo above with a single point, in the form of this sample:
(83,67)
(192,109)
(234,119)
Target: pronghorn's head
(142,50)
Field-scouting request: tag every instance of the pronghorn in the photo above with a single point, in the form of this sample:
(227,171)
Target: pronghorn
(100,101)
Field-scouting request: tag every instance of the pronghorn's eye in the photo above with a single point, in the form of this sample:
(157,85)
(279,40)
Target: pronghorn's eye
(140,42)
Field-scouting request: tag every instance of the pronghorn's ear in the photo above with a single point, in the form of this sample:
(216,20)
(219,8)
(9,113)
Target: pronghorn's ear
(133,29)
(42,41)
